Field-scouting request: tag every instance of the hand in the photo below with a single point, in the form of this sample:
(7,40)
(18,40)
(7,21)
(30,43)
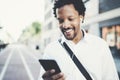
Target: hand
(49,75)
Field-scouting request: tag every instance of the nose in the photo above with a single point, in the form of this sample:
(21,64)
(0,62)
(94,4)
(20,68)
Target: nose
(65,24)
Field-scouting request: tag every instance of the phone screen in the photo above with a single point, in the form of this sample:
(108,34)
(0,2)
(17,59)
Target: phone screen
(50,64)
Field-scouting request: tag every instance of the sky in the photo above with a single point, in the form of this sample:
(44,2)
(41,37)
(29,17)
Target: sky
(15,15)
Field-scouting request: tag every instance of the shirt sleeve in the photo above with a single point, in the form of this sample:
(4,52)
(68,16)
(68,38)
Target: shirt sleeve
(109,71)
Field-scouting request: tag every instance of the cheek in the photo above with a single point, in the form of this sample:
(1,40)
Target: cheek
(77,25)
(76,22)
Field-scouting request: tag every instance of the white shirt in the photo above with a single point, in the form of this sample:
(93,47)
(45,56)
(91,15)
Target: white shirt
(94,54)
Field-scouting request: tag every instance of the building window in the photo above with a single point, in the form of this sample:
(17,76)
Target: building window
(106,5)
(112,35)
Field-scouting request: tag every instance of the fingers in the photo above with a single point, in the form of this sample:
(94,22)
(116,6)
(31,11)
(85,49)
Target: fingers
(49,73)
(59,76)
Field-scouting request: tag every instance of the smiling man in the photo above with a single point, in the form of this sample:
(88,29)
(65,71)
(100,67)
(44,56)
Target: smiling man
(93,52)
(69,22)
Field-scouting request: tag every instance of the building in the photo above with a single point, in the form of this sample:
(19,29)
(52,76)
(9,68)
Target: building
(98,18)
(110,27)
(50,30)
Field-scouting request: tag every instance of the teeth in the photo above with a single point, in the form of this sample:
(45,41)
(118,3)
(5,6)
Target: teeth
(68,30)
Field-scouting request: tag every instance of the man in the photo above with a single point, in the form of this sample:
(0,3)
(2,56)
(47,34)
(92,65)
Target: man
(90,50)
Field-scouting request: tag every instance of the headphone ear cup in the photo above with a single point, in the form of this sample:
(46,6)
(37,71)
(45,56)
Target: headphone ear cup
(82,20)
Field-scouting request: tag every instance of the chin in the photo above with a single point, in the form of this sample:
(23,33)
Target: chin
(69,38)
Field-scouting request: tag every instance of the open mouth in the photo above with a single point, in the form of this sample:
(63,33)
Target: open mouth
(68,30)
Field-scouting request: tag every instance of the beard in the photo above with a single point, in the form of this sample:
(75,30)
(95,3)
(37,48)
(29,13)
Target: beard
(69,33)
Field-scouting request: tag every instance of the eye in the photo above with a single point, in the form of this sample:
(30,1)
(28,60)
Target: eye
(60,20)
(71,19)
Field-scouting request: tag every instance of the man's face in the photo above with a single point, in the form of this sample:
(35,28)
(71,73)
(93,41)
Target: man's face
(69,21)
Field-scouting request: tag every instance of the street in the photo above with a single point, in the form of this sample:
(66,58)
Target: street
(18,62)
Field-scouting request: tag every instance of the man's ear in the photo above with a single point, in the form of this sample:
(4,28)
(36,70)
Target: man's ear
(81,18)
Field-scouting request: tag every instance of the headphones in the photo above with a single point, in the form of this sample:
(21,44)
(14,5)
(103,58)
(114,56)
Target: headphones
(82,20)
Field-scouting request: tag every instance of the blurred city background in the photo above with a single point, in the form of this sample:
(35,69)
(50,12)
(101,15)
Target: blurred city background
(27,26)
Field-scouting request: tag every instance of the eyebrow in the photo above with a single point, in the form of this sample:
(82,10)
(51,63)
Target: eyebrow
(68,17)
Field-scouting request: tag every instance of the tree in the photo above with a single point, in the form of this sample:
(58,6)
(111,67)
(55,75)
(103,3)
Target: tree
(37,27)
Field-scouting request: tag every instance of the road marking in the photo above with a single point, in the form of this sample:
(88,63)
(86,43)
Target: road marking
(6,65)
(30,54)
(26,67)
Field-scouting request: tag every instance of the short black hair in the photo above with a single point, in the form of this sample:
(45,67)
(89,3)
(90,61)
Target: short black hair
(78,4)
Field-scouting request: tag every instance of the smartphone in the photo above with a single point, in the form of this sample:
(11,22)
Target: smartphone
(50,64)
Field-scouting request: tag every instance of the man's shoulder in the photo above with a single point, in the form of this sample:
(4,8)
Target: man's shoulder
(95,39)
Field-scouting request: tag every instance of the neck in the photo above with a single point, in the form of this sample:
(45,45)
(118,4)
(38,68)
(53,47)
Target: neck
(78,37)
